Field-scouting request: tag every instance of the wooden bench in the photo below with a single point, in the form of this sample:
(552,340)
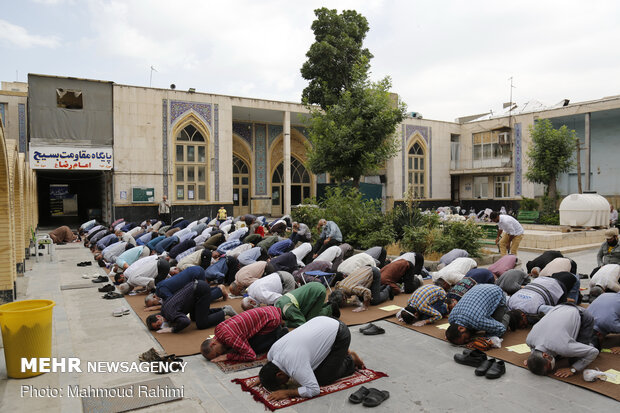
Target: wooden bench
(528,217)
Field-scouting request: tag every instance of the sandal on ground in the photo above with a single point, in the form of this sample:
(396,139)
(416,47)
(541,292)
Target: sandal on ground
(366,327)
(359,395)
(112,295)
(150,355)
(375,397)
(373,331)
(101,279)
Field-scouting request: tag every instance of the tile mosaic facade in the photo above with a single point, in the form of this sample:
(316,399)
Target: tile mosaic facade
(216,155)
(260,153)
(164,135)
(21,113)
(178,108)
(274,132)
(518,156)
(244,130)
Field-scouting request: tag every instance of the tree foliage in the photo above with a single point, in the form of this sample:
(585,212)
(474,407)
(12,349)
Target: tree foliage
(334,55)
(355,136)
(550,154)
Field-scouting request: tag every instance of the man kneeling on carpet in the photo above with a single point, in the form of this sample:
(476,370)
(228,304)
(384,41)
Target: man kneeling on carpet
(365,283)
(193,299)
(567,331)
(426,305)
(242,337)
(483,308)
(314,354)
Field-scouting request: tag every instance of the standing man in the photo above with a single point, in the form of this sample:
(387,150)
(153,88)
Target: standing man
(613,216)
(510,231)
(164,210)
(330,236)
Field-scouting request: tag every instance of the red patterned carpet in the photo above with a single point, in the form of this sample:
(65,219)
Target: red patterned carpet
(260,393)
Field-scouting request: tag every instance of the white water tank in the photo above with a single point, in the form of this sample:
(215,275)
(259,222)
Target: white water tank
(584,210)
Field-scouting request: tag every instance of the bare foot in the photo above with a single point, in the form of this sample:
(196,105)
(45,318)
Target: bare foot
(615,350)
(224,292)
(357,360)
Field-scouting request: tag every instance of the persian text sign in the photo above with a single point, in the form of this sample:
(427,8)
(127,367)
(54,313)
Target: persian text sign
(71,158)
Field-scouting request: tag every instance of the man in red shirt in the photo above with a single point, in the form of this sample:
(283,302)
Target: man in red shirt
(242,337)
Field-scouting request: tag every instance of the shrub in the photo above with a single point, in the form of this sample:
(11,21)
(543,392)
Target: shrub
(464,235)
(528,204)
(361,222)
(420,239)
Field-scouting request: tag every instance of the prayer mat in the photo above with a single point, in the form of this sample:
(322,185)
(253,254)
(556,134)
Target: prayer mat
(374,312)
(130,396)
(188,341)
(260,393)
(232,366)
(515,341)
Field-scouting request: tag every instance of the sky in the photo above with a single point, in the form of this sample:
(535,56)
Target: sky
(446,58)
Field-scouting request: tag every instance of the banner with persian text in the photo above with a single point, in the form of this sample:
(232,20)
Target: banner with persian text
(71,158)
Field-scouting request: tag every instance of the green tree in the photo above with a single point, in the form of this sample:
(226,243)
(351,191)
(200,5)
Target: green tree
(334,54)
(355,136)
(550,154)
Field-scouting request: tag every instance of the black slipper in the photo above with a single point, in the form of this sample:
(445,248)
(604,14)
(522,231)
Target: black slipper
(373,331)
(106,288)
(366,327)
(375,397)
(359,395)
(101,279)
(112,295)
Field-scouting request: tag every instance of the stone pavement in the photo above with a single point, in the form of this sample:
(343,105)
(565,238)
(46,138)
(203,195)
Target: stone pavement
(422,374)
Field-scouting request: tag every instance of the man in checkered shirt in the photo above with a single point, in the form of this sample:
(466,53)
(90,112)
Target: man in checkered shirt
(483,308)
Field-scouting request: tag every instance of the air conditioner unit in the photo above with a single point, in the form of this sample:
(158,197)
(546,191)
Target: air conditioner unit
(504,138)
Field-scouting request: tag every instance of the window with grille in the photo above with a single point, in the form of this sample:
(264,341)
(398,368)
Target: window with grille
(416,170)
(502,186)
(190,165)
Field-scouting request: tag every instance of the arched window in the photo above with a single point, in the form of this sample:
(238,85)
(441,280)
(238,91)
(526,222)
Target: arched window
(300,185)
(241,186)
(416,170)
(191,165)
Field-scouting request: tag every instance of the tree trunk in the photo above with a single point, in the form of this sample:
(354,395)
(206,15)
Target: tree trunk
(553,192)
(356,182)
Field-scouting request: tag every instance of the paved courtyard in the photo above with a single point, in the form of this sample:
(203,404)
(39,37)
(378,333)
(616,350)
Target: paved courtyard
(422,374)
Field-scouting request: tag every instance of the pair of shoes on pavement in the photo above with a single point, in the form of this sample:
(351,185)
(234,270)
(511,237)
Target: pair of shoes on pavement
(121,311)
(490,368)
(112,295)
(369,397)
(84,263)
(153,355)
(106,288)
(371,330)
(101,279)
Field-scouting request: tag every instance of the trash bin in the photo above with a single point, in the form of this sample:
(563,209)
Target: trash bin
(26,333)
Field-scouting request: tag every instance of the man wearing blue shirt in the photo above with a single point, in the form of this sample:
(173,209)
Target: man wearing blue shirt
(483,308)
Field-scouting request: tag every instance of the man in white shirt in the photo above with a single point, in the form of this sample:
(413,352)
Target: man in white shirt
(314,354)
(606,278)
(510,231)
(268,289)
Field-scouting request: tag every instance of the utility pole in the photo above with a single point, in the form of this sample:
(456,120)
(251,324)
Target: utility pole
(151,78)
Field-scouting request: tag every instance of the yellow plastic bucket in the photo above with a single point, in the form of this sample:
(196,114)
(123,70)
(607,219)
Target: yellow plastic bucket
(26,333)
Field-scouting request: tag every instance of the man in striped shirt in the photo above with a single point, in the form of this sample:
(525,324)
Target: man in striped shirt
(426,305)
(365,283)
(242,337)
